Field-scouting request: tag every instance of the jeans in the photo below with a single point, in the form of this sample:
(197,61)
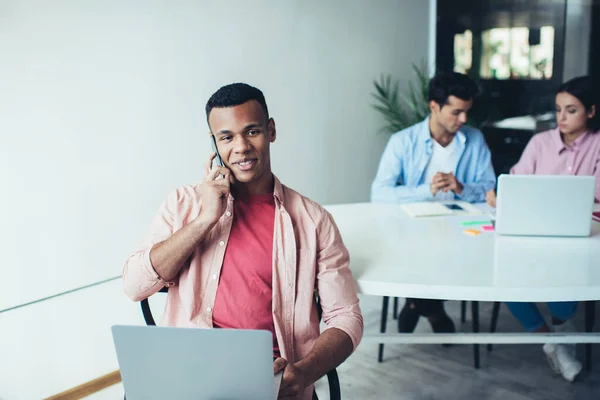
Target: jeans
(529,316)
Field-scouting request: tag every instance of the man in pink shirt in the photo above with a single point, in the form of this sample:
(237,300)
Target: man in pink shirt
(573,148)
(243,251)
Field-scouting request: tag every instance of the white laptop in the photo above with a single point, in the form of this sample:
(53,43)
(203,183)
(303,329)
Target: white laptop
(545,205)
(199,364)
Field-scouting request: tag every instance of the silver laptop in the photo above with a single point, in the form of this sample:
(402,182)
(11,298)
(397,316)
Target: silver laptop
(545,205)
(188,363)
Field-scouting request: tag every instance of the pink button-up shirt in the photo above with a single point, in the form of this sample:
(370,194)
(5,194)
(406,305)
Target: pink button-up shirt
(547,154)
(308,255)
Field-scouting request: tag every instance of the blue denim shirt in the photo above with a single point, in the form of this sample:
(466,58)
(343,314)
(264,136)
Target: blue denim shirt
(401,174)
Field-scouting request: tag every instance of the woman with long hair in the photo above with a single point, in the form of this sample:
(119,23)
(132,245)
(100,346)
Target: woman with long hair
(572,148)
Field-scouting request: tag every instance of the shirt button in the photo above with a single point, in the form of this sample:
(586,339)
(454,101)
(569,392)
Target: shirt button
(222,243)
(228,214)
(208,309)
(214,277)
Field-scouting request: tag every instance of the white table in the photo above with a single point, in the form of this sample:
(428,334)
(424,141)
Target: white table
(393,254)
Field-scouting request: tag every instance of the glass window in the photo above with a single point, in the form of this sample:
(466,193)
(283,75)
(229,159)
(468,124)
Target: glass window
(508,53)
(463,52)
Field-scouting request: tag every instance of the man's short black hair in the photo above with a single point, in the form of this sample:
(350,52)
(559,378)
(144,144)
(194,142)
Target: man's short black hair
(447,84)
(233,95)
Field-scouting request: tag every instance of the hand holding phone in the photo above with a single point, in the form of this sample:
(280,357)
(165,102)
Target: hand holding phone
(214,191)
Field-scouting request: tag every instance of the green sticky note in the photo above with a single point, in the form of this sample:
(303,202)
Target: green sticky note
(471,223)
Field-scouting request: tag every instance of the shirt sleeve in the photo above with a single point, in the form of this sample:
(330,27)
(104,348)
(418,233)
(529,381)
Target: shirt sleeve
(484,178)
(528,160)
(140,279)
(385,188)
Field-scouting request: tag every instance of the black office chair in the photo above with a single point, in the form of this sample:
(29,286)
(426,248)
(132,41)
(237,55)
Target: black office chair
(463,313)
(332,376)
(590,321)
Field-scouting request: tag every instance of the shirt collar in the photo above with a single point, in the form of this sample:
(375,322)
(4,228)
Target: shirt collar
(578,143)
(277,193)
(461,136)
(426,133)
(560,145)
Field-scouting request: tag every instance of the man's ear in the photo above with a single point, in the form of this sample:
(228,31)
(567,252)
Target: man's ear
(433,106)
(272,130)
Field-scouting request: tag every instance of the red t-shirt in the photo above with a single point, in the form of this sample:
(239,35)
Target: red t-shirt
(245,292)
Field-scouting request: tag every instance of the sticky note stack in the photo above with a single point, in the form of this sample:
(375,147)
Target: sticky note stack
(475,223)
(484,226)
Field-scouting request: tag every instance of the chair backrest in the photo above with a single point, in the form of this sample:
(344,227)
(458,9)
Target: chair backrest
(332,376)
(146,312)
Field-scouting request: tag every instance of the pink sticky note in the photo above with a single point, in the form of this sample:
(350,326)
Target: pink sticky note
(488,228)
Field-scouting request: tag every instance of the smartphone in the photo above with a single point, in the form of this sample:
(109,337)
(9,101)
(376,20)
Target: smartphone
(454,207)
(218,158)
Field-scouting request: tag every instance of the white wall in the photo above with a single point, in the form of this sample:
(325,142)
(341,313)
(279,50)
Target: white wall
(431,45)
(101,113)
(578,29)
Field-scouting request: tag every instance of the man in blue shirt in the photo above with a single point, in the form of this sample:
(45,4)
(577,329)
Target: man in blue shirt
(437,159)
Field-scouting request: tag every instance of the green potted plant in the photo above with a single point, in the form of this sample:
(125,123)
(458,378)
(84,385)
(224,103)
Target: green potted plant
(401,110)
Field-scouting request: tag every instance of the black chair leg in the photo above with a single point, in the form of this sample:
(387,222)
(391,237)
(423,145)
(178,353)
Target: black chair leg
(384,312)
(463,311)
(475,312)
(590,319)
(334,385)
(395,308)
(494,324)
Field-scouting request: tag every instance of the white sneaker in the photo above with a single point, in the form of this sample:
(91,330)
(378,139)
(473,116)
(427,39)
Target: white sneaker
(566,327)
(562,361)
